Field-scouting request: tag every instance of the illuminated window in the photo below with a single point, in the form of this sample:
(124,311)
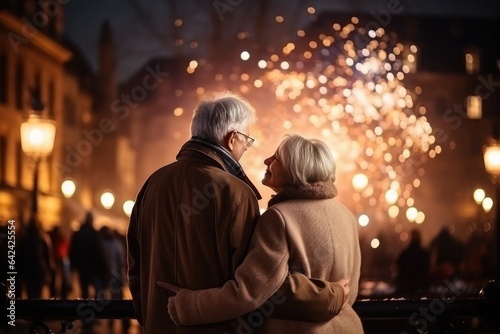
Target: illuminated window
(19,164)
(472,62)
(3,159)
(474,107)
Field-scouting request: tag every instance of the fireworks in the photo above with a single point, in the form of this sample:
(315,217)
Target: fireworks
(344,85)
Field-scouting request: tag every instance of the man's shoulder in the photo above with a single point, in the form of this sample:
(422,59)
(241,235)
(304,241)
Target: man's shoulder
(225,181)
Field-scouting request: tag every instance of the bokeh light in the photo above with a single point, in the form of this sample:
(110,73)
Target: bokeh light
(343,84)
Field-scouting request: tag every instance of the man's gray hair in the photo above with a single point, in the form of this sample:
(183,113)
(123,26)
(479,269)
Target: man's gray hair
(215,117)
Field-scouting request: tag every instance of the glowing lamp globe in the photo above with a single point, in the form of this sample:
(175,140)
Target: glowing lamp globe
(68,188)
(37,136)
(107,200)
(492,159)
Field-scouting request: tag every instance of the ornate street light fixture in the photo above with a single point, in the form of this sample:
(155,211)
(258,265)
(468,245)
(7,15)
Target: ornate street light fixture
(37,140)
(492,164)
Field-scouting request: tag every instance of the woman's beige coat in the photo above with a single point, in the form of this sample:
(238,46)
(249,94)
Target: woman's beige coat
(317,237)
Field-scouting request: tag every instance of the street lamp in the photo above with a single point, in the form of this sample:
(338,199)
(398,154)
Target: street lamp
(128,206)
(68,188)
(107,200)
(492,165)
(37,140)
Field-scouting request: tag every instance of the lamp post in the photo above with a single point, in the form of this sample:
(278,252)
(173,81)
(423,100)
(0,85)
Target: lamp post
(37,140)
(492,165)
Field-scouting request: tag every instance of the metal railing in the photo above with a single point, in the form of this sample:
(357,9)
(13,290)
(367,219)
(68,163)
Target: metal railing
(417,312)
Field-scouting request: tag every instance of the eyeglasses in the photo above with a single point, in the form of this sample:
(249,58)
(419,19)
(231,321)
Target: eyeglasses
(249,139)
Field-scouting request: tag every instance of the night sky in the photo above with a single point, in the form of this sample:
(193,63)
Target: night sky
(145,29)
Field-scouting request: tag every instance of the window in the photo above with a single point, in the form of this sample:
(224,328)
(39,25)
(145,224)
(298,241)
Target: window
(69,111)
(52,99)
(38,81)
(50,174)
(19,87)
(3,78)
(3,159)
(472,62)
(19,164)
(474,107)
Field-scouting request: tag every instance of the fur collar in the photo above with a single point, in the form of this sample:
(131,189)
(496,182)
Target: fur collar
(317,190)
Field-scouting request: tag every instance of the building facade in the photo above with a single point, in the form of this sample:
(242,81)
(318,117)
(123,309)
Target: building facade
(31,57)
(35,55)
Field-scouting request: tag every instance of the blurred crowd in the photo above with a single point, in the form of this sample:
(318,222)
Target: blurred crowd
(87,263)
(418,269)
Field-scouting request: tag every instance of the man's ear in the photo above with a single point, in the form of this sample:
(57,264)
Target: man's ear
(229,141)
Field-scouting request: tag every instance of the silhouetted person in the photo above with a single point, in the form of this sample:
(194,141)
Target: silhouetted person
(60,280)
(116,276)
(447,255)
(87,258)
(35,261)
(413,265)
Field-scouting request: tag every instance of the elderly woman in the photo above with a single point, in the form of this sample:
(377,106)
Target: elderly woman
(304,230)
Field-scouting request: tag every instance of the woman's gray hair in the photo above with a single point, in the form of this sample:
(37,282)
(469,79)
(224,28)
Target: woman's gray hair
(215,117)
(306,160)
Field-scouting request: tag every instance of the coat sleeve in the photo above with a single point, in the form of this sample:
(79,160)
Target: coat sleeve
(298,298)
(308,299)
(133,258)
(257,279)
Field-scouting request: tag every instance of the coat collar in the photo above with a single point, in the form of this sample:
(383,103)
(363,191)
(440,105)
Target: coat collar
(316,190)
(216,155)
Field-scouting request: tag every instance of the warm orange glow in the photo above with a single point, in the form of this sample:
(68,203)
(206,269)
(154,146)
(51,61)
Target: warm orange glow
(128,206)
(178,111)
(37,136)
(68,188)
(107,200)
(492,159)
(350,94)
